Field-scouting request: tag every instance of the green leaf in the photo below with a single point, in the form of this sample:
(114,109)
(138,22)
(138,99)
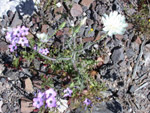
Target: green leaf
(62,25)
(15,62)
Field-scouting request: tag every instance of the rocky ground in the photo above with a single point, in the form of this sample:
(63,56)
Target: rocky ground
(124,69)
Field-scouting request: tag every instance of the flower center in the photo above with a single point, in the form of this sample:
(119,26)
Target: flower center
(50,101)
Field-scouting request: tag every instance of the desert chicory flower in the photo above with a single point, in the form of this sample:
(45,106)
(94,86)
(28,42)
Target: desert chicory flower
(43,37)
(62,105)
(87,102)
(114,23)
(67,92)
(51,102)
(50,93)
(83,21)
(37,102)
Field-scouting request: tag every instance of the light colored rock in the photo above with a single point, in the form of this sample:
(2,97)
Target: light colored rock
(76,10)
(86,3)
(1,69)
(1,103)
(26,106)
(28,85)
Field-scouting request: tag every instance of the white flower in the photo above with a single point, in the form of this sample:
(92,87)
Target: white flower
(62,105)
(83,21)
(114,23)
(43,37)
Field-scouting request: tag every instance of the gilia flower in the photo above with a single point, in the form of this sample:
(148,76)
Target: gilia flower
(37,102)
(23,41)
(50,93)
(67,92)
(87,101)
(41,96)
(114,23)
(51,102)
(12,47)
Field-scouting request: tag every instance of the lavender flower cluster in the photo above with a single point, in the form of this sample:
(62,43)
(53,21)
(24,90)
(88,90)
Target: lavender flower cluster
(48,98)
(41,50)
(17,37)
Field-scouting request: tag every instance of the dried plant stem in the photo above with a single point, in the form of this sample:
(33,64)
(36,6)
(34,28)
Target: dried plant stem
(138,58)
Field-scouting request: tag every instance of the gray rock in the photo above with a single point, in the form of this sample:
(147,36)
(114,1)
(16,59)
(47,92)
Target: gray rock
(107,107)
(82,29)
(89,33)
(117,55)
(26,72)
(95,16)
(10,15)
(130,53)
(132,89)
(1,69)
(80,110)
(101,9)
(76,1)
(5,108)
(26,7)
(16,21)
(37,64)
(12,75)
(106,93)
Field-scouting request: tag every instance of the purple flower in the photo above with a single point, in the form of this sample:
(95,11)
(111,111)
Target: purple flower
(87,101)
(67,92)
(41,50)
(51,102)
(17,31)
(41,95)
(45,51)
(9,36)
(23,41)
(50,93)
(24,31)
(12,47)
(37,102)
(35,48)
(15,40)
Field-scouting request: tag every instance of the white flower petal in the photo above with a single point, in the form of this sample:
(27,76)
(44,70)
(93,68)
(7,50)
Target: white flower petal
(114,23)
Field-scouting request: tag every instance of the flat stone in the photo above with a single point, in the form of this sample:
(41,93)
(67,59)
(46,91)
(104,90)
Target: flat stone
(86,3)
(3,46)
(1,103)
(117,55)
(76,10)
(76,1)
(28,85)
(1,68)
(107,107)
(16,21)
(44,28)
(5,108)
